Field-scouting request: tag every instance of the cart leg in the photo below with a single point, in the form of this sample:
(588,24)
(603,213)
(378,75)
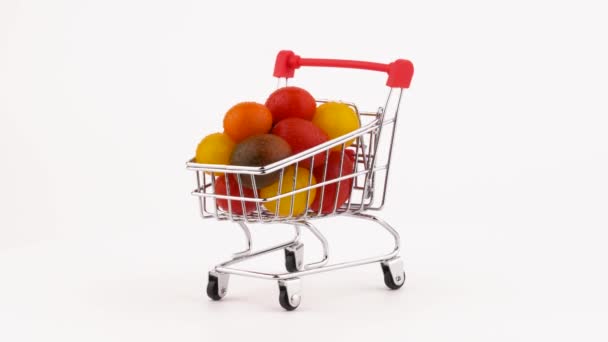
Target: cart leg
(248,254)
(294,257)
(394,275)
(289,293)
(324,244)
(217,286)
(247,233)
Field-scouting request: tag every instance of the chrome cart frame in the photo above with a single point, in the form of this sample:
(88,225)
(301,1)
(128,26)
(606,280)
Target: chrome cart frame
(364,164)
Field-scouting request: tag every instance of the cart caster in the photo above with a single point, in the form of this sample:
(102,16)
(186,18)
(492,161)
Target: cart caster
(294,257)
(289,293)
(217,285)
(394,276)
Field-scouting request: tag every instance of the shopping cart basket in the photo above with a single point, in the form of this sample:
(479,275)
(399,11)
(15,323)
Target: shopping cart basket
(364,159)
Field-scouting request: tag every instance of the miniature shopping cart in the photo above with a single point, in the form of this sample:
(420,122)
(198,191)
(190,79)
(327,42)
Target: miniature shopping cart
(369,149)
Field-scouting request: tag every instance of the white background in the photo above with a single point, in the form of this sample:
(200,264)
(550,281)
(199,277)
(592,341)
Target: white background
(499,185)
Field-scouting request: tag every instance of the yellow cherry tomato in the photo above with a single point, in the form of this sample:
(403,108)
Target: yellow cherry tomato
(336,119)
(299,199)
(215,148)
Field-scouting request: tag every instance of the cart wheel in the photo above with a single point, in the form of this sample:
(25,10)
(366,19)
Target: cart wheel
(394,276)
(217,285)
(289,294)
(294,256)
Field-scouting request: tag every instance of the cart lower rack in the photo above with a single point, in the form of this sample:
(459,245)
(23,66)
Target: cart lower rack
(363,157)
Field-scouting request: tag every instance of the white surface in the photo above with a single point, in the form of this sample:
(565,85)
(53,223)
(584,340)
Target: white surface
(499,188)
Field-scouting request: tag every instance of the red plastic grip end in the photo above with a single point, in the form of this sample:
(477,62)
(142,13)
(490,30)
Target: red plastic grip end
(286,64)
(400,74)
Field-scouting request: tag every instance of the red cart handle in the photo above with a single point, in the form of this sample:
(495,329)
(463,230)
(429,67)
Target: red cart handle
(399,72)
